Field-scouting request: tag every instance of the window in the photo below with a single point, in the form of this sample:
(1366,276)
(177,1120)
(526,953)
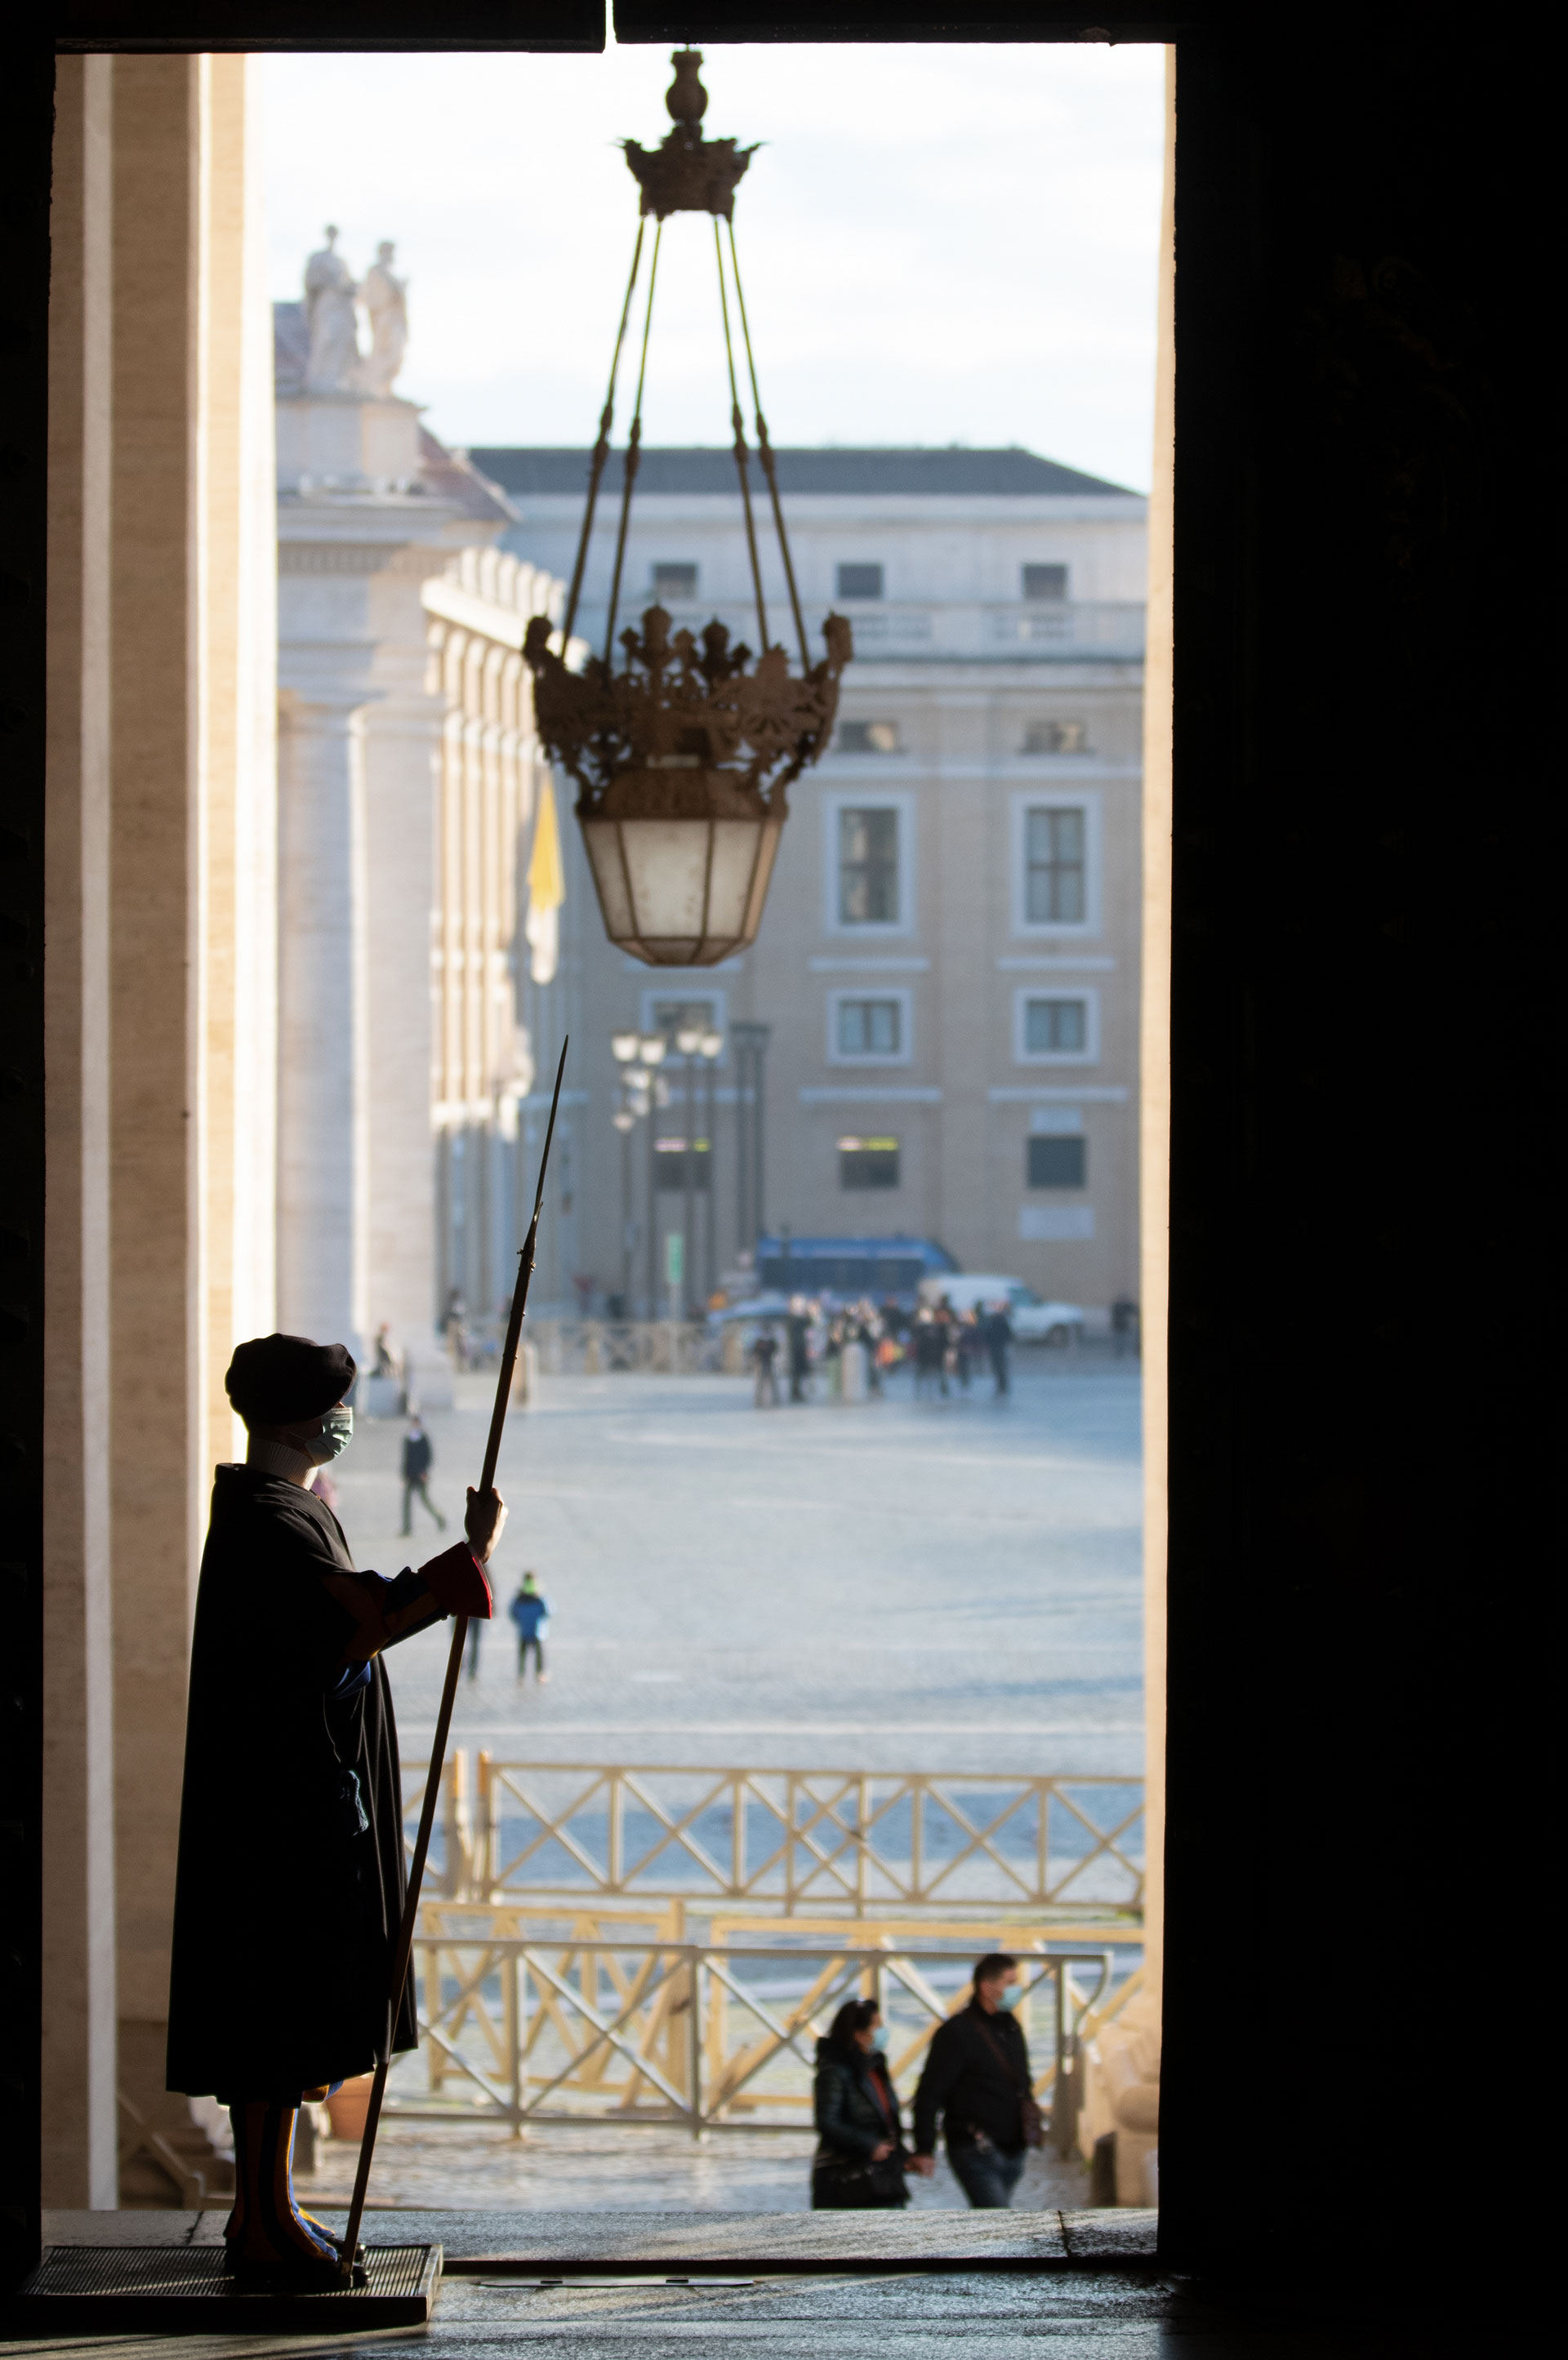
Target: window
(868,1163)
(1055,1163)
(1054,1025)
(860,582)
(868,868)
(1054,856)
(867,1025)
(675,581)
(1044,582)
(868,738)
(1056,737)
(868,1028)
(672,1016)
(670,1162)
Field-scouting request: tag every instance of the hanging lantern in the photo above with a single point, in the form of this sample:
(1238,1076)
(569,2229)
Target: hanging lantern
(683,749)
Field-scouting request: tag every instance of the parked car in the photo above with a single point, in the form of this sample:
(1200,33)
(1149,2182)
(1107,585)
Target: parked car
(1034,1322)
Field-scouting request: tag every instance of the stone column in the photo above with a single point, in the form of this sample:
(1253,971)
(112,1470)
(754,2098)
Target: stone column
(77,2120)
(323,1022)
(154,959)
(237,568)
(402,761)
(192,629)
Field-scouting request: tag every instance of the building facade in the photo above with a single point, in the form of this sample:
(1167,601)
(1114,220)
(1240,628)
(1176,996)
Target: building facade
(948,969)
(495,823)
(403,773)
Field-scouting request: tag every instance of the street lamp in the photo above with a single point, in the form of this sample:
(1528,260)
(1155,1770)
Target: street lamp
(636,1054)
(709,1049)
(748,1042)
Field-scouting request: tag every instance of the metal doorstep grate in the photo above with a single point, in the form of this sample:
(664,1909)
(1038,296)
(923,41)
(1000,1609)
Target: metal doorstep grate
(174,2290)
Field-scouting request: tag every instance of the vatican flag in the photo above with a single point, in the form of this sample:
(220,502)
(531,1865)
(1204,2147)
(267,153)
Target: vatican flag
(546,892)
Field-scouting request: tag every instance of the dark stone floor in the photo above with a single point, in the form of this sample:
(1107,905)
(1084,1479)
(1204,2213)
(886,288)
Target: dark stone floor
(1095,2295)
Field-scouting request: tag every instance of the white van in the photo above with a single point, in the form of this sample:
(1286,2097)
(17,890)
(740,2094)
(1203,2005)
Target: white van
(1034,1322)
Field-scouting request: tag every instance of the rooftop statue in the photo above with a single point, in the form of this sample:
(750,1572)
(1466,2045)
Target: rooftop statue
(329,316)
(385,298)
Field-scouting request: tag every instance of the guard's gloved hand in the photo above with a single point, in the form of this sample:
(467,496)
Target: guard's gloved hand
(457,1582)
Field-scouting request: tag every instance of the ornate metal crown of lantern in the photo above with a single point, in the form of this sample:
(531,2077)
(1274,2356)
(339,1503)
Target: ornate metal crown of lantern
(683,753)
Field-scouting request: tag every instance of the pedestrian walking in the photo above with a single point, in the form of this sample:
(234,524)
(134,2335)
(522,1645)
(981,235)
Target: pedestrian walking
(419,1457)
(859,2162)
(476,1633)
(930,1350)
(976,2080)
(530,1609)
(798,1329)
(868,1331)
(1123,1327)
(966,1344)
(997,1341)
(764,1352)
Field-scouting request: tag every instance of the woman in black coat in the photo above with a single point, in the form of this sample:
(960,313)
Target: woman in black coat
(859,2158)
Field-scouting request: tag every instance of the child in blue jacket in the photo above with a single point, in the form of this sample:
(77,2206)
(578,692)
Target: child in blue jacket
(530,1609)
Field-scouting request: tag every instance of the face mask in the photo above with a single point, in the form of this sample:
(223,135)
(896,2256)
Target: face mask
(1009,1995)
(337,1433)
(879,2036)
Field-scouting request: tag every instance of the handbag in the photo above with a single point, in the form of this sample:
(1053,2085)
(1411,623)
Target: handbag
(846,2182)
(1031,2121)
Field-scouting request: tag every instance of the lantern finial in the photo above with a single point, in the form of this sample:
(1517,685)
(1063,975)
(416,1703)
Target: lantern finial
(686,173)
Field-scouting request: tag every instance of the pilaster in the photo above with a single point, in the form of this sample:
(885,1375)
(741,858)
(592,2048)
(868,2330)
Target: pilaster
(78,2116)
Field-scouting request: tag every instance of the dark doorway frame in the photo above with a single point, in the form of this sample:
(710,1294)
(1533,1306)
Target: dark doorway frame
(1361,1580)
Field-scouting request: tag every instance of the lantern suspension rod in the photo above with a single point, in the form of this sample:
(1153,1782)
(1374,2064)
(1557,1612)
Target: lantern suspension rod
(633,453)
(740,451)
(765,452)
(601,448)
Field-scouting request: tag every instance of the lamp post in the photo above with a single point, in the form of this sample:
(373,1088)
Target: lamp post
(750,1043)
(650,1050)
(624,1047)
(688,1044)
(710,1049)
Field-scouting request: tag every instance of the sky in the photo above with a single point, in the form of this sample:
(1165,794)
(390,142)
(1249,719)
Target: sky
(938,244)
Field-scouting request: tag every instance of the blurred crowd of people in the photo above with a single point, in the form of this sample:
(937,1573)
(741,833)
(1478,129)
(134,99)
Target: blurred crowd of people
(854,1349)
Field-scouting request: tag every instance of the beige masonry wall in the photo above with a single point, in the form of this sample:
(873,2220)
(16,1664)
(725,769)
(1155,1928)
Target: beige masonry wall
(159,967)
(1154,1061)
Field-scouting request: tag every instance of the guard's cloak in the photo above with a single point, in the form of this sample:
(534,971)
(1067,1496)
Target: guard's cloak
(286,1910)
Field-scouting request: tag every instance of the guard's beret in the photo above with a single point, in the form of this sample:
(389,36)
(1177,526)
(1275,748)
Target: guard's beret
(281,1379)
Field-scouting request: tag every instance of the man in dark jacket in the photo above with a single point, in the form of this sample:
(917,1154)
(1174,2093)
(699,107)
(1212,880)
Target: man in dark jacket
(290,1880)
(976,2078)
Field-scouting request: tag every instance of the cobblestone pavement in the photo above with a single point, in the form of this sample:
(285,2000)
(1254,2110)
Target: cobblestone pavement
(608,2170)
(937,1585)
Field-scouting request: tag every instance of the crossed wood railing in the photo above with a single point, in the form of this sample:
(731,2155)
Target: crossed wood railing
(864,1842)
(539,2015)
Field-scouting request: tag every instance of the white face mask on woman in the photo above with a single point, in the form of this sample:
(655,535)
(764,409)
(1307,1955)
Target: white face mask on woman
(337,1434)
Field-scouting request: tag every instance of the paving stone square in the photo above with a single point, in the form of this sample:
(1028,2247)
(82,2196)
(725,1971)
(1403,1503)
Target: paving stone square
(940,1585)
